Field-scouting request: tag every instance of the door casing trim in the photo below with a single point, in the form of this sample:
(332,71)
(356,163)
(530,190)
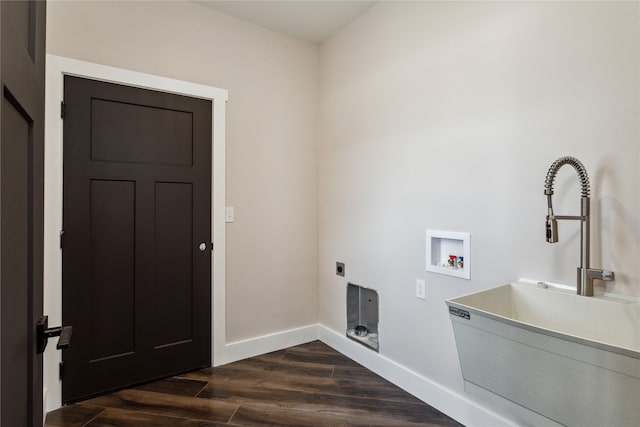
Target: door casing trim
(56,68)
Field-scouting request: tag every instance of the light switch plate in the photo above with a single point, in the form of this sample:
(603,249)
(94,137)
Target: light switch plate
(229,214)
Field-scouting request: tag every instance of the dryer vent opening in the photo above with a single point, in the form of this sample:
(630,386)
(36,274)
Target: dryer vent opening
(362,315)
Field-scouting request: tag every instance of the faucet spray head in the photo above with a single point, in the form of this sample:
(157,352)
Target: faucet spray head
(551,223)
(552,230)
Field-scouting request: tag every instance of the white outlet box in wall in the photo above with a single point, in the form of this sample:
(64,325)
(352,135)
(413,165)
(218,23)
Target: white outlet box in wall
(440,245)
(421,291)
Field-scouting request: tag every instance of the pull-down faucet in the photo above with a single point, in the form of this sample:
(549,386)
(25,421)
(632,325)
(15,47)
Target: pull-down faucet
(585,273)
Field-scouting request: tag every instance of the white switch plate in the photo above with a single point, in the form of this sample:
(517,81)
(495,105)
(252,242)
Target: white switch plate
(229,214)
(421,289)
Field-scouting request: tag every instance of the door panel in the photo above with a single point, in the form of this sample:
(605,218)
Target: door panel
(137,203)
(22,31)
(112,269)
(173,263)
(156,135)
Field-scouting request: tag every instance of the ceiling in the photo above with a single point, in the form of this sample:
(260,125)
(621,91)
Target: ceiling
(310,20)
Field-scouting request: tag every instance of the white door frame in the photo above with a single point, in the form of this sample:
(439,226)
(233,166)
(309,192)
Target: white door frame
(57,68)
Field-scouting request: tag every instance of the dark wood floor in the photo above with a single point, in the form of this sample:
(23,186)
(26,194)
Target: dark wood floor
(307,385)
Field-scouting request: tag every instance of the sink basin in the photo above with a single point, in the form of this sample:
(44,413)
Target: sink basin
(571,359)
(597,321)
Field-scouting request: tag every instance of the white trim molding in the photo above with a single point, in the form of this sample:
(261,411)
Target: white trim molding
(453,404)
(267,343)
(57,68)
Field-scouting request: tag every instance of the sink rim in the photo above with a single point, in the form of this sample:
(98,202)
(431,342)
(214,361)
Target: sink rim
(631,349)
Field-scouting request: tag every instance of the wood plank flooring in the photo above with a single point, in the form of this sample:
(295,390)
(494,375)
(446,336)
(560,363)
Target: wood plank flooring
(308,385)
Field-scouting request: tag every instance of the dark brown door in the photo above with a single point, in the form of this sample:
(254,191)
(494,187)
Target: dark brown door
(22,32)
(136,208)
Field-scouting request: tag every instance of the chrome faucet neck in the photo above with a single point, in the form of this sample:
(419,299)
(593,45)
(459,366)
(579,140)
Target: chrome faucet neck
(553,171)
(585,273)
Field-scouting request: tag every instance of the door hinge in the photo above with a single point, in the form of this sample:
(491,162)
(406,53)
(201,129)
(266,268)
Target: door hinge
(61,370)
(62,109)
(61,239)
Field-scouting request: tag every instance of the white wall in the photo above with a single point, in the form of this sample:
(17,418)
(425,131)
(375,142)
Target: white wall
(271,136)
(446,116)
(441,115)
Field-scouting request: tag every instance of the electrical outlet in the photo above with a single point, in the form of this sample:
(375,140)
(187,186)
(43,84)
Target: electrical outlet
(340,268)
(421,289)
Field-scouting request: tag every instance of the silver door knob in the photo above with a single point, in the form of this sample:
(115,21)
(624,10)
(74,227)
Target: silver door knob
(202,247)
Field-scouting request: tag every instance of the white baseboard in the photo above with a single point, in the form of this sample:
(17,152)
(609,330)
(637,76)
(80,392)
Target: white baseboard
(265,344)
(455,405)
